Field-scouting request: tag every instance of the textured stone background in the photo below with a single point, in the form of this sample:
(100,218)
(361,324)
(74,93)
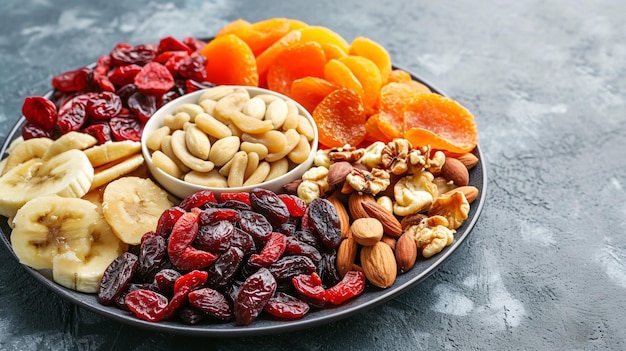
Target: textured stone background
(545,267)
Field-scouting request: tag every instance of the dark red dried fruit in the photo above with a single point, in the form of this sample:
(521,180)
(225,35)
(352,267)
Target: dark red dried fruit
(235,205)
(125,128)
(291,266)
(174,61)
(179,248)
(323,217)
(310,286)
(243,197)
(116,277)
(193,43)
(327,268)
(197,199)
(295,205)
(214,237)
(142,105)
(170,43)
(308,237)
(191,315)
(352,284)
(151,253)
(182,287)
(213,215)
(40,111)
(285,306)
(222,272)
(255,224)
(154,79)
(147,305)
(105,105)
(243,241)
(167,220)
(102,82)
(165,280)
(297,247)
(194,67)
(124,75)
(124,54)
(100,131)
(270,205)
(72,81)
(271,252)
(191,85)
(211,302)
(253,295)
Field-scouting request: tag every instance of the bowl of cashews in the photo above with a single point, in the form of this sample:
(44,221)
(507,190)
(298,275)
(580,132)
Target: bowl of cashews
(229,139)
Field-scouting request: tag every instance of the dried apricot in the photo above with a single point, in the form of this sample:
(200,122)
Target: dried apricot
(393,99)
(267,57)
(338,73)
(298,61)
(368,75)
(366,47)
(372,131)
(230,61)
(310,91)
(441,122)
(340,118)
(399,76)
(333,51)
(323,35)
(261,35)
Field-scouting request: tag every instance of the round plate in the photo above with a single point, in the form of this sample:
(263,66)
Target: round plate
(265,325)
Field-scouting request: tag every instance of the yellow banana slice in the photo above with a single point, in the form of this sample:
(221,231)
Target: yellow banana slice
(112,151)
(132,206)
(25,151)
(70,141)
(111,171)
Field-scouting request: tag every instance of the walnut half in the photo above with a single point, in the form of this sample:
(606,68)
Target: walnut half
(368,182)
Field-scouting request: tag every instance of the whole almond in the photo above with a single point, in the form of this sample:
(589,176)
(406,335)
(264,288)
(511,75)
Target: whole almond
(366,231)
(455,171)
(469,160)
(470,192)
(344,217)
(391,225)
(389,241)
(338,171)
(355,205)
(406,252)
(379,265)
(346,255)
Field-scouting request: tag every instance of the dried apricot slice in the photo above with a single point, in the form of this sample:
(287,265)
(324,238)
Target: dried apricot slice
(366,47)
(393,99)
(298,61)
(340,118)
(239,27)
(441,122)
(399,76)
(310,91)
(260,35)
(333,51)
(323,35)
(368,75)
(372,131)
(267,57)
(338,73)
(230,61)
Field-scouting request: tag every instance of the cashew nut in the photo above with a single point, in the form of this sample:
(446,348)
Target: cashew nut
(180,150)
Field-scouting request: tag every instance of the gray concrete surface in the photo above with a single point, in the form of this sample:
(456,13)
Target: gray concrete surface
(545,267)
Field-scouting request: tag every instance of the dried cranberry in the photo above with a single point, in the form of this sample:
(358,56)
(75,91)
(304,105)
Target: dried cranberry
(255,224)
(191,85)
(142,105)
(223,271)
(30,131)
(167,97)
(214,215)
(297,247)
(102,82)
(285,306)
(167,220)
(211,302)
(243,197)
(271,252)
(323,217)
(194,67)
(40,111)
(172,44)
(124,54)
(181,254)
(295,205)
(103,64)
(125,128)
(182,287)
(269,204)
(71,81)
(125,92)
(290,266)
(310,286)
(197,199)
(214,237)
(105,105)
(116,277)
(154,79)
(253,295)
(193,43)
(352,284)
(174,61)
(124,75)
(73,113)
(100,131)
(147,305)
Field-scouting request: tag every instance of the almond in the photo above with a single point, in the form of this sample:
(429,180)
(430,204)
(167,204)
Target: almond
(389,241)
(366,231)
(469,160)
(455,171)
(355,204)
(379,265)
(346,255)
(344,217)
(470,192)
(406,252)
(391,225)
(338,171)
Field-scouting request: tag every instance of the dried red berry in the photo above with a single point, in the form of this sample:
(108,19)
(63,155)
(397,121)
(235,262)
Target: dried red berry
(243,197)
(72,81)
(211,302)
(142,105)
(286,306)
(269,204)
(167,220)
(352,284)
(124,54)
(271,252)
(180,251)
(194,67)
(253,295)
(40,111)
(154,79)
(197,199)
(100,131)
(123,75)
(116,277)
(172,44)
(30,131)
(310,286)
(193,43)
(323,217)
(105,105)
(125,128)
(147,305)
(295,205)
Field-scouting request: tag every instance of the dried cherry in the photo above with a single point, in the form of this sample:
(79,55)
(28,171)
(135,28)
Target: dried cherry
(40,111)
(252,296)
(125,128)
(193,67)
(295,205)
(147,305)
(285,306)
(270,205)
(105,105)
(214,215)
(142,105)
(72,81)
(116,277)
(167,220)
(297,247)
(165,280)
(255,224)
(100,131)
(197,199)
(154,79)
(211,302)
(214,237)
(124,54)
(151,253)
(290,266)
(124,75)
(222,272)
(310,286)
(271,252)
(323,217)
(352,284)
(179,248)
(243,197)
(170,43)
(243,241)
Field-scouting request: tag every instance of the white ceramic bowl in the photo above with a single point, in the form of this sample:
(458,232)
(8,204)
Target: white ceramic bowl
(181,188)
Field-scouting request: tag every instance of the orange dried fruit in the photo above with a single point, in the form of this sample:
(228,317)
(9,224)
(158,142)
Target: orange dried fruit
(298,61)
(372,131)
(441,122)
(399,76)
(366,47)
(340,118)
(368,74)
(338,73)
(230,61)
(393,99)
(267,57)
(323,35)
(333,51)
(261,35)
(239,27)
(310,91)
